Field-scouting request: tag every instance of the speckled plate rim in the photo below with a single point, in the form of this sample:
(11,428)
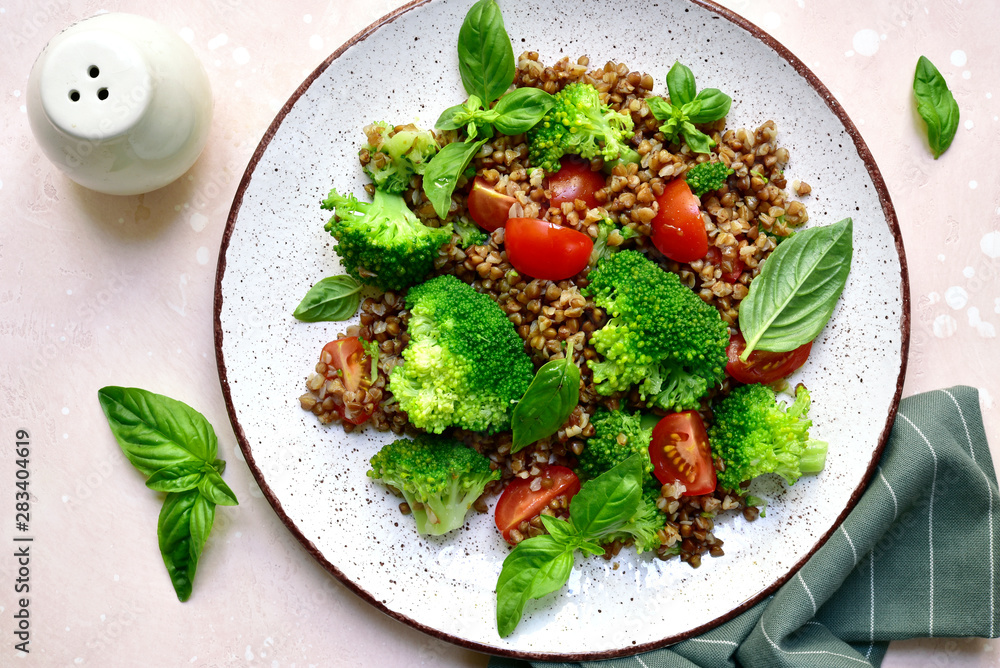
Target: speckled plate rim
(890,217)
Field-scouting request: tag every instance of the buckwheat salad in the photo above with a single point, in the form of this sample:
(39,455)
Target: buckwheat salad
(583,294)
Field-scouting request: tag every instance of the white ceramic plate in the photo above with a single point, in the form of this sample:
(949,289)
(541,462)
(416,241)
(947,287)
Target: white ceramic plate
(405,68)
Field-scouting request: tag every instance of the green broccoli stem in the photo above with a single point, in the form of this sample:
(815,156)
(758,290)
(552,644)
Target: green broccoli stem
(814,458)
(626,156)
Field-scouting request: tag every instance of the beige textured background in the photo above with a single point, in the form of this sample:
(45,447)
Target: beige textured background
(98,290)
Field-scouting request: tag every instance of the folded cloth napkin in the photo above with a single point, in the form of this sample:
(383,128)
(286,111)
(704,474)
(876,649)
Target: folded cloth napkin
(917,557)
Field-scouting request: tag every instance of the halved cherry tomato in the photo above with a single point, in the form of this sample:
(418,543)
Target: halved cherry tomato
(545,250)
(519,503)
(574,181)
(680,453)
(353,365)
(714,255)
(762,366)
(678,229)
(488,208)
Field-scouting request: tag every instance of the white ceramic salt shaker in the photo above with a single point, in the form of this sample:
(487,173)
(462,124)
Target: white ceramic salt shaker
(120,104)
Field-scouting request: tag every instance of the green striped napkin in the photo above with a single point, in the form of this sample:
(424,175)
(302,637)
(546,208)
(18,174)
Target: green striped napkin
(915,558)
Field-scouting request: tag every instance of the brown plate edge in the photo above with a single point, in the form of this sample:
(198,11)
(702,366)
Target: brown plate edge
(890,215)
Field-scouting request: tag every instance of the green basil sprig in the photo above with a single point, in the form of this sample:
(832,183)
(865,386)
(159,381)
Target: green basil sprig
(175,447)
(334,298)
(486,62)
(485,55)
(686,108)
(542,565)
(515,113)
(547,403)
(793,297)
(936,105)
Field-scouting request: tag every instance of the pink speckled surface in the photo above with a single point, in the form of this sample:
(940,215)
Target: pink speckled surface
(99,290)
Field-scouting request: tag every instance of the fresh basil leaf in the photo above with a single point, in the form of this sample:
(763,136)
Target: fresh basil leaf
(560,529)
(452,118)
(793,297)
(215,489)
(680,84)
(608,501)
(332,299)
(485,55)
(712,104)
(698,141)
(522,109)
(936,105)
(154,431)
(536,567)
(660,108)
(220,465)
(178,478)
(184,523)
(443,171)
(547,403)
(541,565)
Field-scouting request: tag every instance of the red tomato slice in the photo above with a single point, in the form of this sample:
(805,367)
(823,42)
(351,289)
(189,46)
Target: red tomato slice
(762,366)
(545,250)
(680,453)
(353,365)
(488,208)
(575,180)
(714,256)
(519,503)
(678,229)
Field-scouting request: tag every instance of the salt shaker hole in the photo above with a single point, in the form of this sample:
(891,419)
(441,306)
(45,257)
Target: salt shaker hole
(102,94)
(74,95)
(94,72)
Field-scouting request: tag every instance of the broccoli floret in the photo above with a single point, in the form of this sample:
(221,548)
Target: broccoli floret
(660,335)
(706,177)
(644,526)
(383,243)
(439,477)
(579,124)
(396,153)
(602,249)
(617,435)
(464,364)
(755,434)
(469,234)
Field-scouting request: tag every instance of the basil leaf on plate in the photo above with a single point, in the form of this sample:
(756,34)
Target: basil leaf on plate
(536,567)
(182,529)
(712,104)
(547,403)
(155,431)
(179,478)
(680,84)
(793,297)
(452,118)
(936,105)
(560,529)
(541,565)
(605,503)
(485,55)
(521,109)
(698,141)
(334,298)
(443,171)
